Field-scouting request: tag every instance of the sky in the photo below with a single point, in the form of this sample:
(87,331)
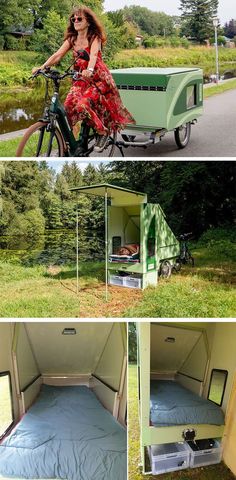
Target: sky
(226,9)
(58,164)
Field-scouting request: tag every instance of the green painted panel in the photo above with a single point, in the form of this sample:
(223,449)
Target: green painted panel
(157,109)
(159,435)
(147,76)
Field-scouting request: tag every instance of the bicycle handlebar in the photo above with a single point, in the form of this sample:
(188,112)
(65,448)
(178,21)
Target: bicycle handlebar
(55,75)
(184,236)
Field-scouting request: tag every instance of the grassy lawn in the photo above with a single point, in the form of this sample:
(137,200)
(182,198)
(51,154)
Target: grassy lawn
(213,472)
(206,290)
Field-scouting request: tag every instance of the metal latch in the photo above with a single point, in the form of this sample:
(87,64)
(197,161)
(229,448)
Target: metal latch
(189,434)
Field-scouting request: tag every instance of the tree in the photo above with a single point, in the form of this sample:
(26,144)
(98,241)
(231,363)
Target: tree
(197,16)
(230,28)
(132,343)
(149,22)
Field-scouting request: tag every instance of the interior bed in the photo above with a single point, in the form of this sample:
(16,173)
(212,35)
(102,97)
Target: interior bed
(172,404)
(66,434)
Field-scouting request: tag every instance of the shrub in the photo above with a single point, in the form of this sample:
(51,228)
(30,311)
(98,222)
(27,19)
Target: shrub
(2,42)
(11,43)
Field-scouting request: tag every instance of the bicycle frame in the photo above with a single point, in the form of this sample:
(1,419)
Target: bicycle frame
(57,109)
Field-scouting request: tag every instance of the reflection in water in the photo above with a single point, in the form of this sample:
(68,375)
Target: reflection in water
(22,108)
(53,248)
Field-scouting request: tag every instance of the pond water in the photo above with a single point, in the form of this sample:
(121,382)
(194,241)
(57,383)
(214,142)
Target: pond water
(20,108)
(52,248)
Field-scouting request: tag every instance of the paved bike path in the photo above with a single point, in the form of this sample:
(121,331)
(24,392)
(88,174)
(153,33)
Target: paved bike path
(10,135)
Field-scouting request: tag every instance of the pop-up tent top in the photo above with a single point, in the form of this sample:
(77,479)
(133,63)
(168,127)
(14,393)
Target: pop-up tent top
(187,387)
(69,383)
(139,242)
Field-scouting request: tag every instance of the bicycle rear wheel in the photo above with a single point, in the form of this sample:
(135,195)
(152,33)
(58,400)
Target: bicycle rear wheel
(39,142)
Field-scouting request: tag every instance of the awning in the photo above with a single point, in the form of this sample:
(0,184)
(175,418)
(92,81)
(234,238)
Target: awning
(119,196)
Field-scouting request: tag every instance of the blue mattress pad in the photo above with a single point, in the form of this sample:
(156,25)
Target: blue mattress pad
(172,404)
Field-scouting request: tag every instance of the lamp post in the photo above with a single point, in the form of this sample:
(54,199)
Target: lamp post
(215,24)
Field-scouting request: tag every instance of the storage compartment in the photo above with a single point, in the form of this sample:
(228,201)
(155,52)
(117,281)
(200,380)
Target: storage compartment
(169,457)
(132,281)
(204,452)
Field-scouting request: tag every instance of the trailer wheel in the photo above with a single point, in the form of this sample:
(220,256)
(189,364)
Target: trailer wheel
(165,269)
(182,135)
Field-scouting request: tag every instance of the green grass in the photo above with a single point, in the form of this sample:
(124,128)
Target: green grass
(221,88)
(200,56)
(213,472)
(207,290)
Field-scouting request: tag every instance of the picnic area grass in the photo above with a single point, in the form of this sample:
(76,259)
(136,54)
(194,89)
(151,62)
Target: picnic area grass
(207,290)
(212,472)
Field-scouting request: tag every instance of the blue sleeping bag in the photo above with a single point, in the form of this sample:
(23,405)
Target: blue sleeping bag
(66,434)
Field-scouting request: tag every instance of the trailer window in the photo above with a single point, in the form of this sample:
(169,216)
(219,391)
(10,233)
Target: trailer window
(191,96)
(116,244)
(217,386)
(6,408)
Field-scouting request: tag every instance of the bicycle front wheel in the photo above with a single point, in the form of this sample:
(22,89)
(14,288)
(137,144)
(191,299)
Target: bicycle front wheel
(39,142)
(189,259)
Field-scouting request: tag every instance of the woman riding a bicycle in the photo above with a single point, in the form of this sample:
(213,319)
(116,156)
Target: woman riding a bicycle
(94,96)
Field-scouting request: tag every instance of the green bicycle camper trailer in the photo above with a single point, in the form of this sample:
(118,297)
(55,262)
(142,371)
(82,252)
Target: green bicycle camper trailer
(160,100)
(130,219)
(187,385)
(63,400)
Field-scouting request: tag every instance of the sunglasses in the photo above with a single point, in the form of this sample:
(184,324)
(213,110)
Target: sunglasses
(79,19)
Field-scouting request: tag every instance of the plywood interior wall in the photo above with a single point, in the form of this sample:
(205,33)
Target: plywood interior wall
(27,365)
(110,364)
(68,354)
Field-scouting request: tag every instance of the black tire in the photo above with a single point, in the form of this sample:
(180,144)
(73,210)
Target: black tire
(189,259)
(182,135)
(39,142)
(165,269)
(108,151)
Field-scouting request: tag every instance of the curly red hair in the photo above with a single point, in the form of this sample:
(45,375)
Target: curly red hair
(95,28)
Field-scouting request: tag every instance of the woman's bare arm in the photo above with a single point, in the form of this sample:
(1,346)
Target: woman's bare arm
(94,49)
(55,58)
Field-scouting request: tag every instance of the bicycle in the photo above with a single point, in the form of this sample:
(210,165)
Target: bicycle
(52,135)
(185,257)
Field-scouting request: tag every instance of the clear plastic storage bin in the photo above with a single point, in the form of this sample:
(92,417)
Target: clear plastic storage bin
(133,282)
(116,280)
(126,281)
(200,455)
(169,457)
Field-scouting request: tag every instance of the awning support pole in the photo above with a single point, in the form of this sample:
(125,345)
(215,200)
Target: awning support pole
(77,251)
(106,244)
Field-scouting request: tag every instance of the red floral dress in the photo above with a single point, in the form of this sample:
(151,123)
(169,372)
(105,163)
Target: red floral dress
(97,100)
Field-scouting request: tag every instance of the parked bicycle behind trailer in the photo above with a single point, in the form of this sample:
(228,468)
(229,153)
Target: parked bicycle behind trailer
(185,257)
